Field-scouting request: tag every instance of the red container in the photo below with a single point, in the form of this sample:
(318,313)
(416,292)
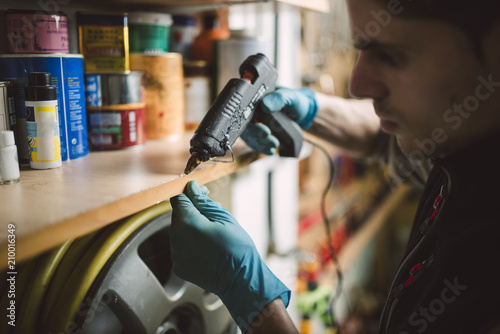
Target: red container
(116,110)
(116,127)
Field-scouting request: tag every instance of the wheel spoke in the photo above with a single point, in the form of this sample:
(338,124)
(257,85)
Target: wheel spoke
(140,294)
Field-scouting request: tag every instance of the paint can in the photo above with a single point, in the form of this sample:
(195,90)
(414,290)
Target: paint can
(30,31)
(67,75)
(198,88)
(163,92)
(115,109)
(149,32)
(104,41)
(230,53)
(7,110)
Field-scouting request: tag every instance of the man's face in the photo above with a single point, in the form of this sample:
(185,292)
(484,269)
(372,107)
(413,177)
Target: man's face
(424,78)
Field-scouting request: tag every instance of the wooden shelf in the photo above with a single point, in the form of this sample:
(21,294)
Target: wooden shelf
(49,207)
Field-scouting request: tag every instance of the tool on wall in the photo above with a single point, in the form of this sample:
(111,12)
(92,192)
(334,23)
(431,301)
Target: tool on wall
(235,107)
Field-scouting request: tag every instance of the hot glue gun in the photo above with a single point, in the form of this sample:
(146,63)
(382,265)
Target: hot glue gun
(235,107)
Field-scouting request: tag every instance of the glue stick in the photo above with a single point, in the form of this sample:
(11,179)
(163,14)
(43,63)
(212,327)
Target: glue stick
(42,121)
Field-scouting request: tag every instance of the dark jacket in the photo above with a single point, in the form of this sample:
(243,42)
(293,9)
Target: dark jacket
(449,278)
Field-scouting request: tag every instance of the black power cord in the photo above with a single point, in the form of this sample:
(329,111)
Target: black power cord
(340,277)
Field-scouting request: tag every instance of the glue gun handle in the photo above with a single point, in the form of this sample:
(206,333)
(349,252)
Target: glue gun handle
(285,130)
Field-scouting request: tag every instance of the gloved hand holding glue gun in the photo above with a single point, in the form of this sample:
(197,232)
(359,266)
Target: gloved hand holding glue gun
(210,248)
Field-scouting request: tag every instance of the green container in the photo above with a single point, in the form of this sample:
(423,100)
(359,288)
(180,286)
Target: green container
(149,32)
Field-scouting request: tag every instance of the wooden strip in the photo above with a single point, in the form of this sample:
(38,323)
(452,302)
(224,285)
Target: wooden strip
(49,207)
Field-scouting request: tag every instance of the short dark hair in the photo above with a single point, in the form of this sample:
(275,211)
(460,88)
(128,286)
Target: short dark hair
(474,17)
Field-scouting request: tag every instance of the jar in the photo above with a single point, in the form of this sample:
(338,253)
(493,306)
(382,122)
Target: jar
(149,32)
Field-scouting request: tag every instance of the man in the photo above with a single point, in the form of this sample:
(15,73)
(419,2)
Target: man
(432,71)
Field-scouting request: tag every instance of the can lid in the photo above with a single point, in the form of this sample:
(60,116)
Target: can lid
(39,79)
(40,87)
(41,55)
(37,12)
(196,68)
(150,18)
(6,138)
(184,20)
(102,18)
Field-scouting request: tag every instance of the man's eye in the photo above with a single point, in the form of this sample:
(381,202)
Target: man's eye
(390,58)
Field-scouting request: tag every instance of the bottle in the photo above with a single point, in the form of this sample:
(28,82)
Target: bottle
(203,44)
(182,34)
(9,164)
(42,121)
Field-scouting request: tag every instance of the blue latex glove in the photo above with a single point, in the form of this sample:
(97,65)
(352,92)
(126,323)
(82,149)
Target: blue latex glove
(299,104)
(211,250)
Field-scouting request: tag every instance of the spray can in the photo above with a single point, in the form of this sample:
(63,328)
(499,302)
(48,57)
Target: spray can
(42,121)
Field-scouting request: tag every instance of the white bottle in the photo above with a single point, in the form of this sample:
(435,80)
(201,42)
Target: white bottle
(42,121)
(9,164)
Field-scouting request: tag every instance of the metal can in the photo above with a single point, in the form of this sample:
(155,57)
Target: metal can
(115,110)
(30,31)
(197,87)
(149,32)
(7,110)
(231,52)
(104,41)
(163,92)
(67,75)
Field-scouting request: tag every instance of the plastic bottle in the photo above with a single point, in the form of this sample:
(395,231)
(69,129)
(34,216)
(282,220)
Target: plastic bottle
(203,44)
(42,121)
(182,34)
(9,164)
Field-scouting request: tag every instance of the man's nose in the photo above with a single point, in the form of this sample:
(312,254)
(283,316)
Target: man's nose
(365,81)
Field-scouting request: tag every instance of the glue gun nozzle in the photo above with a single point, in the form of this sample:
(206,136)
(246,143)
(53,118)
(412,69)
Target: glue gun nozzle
(192,163)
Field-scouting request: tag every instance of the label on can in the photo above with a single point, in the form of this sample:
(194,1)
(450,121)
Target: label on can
(43,134)
(104,89)
(105,46)
(149,39)
(37,32)
(163,92)
(197,100)
(67,76)
(115,128)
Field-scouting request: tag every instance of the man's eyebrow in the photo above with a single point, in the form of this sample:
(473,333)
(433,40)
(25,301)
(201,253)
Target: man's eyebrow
(370,44)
